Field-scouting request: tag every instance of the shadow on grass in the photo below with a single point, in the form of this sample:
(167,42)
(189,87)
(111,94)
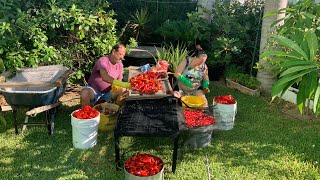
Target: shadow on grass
(263,138)
(263,141)
(42,156)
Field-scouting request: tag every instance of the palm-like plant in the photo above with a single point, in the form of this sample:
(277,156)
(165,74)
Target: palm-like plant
(173,54)
(297,56)
(298,62)
(139,23)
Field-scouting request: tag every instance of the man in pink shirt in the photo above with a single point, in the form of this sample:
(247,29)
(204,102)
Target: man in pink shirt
(106,72)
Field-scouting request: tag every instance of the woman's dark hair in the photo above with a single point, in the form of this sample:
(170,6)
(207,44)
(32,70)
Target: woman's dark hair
(199,51)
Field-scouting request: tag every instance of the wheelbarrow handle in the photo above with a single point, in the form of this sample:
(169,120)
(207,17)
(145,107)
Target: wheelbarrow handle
(63,78)
(40,109)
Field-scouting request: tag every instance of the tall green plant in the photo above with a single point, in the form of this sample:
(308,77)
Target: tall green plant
(235,30)
(139,23)
(296,59)
(173,54)
(189,31)
(298,62)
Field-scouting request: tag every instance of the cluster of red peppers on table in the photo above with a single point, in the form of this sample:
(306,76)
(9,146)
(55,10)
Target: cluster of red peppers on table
(227,99)
(143,165)
(196,118)
(147,82)
(86,113)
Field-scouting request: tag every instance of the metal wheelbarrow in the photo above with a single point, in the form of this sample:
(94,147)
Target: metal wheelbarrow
(38,89)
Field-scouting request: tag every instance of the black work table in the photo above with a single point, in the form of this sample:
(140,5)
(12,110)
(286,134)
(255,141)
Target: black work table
(156,117)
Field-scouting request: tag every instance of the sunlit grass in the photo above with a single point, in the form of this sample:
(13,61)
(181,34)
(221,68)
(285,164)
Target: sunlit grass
(264,144)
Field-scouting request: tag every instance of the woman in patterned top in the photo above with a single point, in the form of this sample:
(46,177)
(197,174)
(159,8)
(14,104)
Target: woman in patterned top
(192,75)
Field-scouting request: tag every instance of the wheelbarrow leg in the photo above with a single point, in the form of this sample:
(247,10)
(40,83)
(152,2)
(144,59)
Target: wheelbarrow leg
(50,116)
(15,121)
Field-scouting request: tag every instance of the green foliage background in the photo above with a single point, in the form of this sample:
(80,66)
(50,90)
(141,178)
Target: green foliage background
(56,32)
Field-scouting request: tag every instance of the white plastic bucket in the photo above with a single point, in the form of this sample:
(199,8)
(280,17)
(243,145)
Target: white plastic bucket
(225,115)
(158,176)
(84,131)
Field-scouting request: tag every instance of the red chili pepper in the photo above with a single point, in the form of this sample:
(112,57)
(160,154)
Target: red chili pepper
(195,118)
(86,113)
(143,165)
(227,99)
(146,82)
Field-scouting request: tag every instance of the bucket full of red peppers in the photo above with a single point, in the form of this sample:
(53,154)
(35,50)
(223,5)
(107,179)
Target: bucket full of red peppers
(224,111)
(200,127)
(85,123)
(144,167)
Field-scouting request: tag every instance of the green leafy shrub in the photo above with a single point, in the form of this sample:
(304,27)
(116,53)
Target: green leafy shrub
(49,34)
(188,31)
(245,80)
(235,30)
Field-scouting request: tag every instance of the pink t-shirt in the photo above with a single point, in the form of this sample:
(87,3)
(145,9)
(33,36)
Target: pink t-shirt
(114,71)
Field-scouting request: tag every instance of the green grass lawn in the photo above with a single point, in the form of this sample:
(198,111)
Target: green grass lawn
(264,144)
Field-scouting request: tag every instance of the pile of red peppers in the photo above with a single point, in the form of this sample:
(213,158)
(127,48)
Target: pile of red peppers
(147,82)
(227,99)
(143,165)
(196,118)
(86,113)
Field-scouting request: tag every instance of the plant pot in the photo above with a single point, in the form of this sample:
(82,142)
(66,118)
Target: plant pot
(234,85)
(291,96)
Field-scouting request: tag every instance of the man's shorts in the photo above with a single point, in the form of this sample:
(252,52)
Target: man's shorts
(99,95)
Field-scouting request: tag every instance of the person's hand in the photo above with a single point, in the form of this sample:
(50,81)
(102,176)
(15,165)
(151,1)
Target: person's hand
(206,90)
(121,84)
(185,81)
(205,86)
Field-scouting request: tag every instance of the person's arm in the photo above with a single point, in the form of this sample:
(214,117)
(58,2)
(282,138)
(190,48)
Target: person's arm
(180,68)
(178,74)
(206,73)
(120,77)
(107,78)
(206,82)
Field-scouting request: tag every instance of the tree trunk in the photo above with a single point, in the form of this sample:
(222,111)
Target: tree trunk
(264,75)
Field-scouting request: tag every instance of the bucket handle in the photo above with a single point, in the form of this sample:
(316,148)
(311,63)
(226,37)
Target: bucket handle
(119,167)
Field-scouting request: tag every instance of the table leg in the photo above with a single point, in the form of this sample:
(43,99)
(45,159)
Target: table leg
(15,120)
(117,150)
(175,153)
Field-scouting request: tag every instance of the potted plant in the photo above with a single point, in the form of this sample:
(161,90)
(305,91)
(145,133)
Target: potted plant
(237,79)
(245,83)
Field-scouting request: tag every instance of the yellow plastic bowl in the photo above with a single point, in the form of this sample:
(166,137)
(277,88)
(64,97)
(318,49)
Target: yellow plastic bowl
(193,101)
(107,121)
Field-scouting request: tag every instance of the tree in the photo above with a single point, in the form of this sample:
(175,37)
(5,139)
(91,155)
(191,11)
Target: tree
(264,75)
(205,8)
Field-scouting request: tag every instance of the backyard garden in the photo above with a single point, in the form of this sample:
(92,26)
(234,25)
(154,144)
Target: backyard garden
(264,49)
(264,144)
